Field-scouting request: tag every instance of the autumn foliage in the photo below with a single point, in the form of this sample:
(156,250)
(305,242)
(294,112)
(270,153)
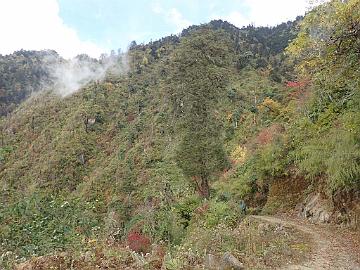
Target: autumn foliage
(138,242)
(268,134)
(296,84)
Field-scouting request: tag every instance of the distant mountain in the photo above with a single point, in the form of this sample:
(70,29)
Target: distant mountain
(25,73)
(21,74)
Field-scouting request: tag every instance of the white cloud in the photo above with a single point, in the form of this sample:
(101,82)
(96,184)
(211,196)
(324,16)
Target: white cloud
(265,12)
(238,19)
(36,25)
(156,8)
(172,16)
(175,17)
(268,13)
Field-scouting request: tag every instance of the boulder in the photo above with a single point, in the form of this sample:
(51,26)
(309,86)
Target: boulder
(230,262)
(316,208)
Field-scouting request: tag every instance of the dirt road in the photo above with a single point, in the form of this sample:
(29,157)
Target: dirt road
(332,248)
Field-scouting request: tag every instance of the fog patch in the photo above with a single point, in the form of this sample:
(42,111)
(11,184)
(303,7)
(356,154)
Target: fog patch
(68,76)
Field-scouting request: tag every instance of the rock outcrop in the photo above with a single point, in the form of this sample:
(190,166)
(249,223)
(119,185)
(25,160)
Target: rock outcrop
(227,262)
(316,208)
(342,208)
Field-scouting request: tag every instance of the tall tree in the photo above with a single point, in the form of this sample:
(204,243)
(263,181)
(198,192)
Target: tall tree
(199,76)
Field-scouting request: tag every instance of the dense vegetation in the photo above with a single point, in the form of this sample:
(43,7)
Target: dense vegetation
(21,74)
(25,73)
(219,112)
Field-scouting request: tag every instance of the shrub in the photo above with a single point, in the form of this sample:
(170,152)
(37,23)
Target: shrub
(238,185)
(185,209)
(220,212)
(268,134)
(138,242)
(272,160)
(335,155)
(4,151)
(41,224)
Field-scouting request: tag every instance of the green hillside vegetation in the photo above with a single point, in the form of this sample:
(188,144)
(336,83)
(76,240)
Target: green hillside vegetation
(159,158)
(23,73)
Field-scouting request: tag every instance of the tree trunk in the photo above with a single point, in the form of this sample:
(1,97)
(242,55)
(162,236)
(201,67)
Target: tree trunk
(204,189)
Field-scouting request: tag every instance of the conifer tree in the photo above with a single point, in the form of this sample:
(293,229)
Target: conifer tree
(198,79)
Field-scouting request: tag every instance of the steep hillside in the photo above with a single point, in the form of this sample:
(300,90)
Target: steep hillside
(23,73)
(160,159)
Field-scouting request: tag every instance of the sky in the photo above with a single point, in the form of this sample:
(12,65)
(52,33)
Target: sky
(72,27)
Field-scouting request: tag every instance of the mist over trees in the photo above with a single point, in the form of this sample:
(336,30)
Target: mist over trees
(25,73)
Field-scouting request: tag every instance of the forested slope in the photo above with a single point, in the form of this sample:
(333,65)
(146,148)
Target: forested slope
(159,158)
(23,73)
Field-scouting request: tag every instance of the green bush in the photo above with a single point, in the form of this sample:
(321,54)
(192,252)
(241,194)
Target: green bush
(41,224)
(185,209)
(4,151)
(335,155)
(238,185)
(220,212)
(272,160)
